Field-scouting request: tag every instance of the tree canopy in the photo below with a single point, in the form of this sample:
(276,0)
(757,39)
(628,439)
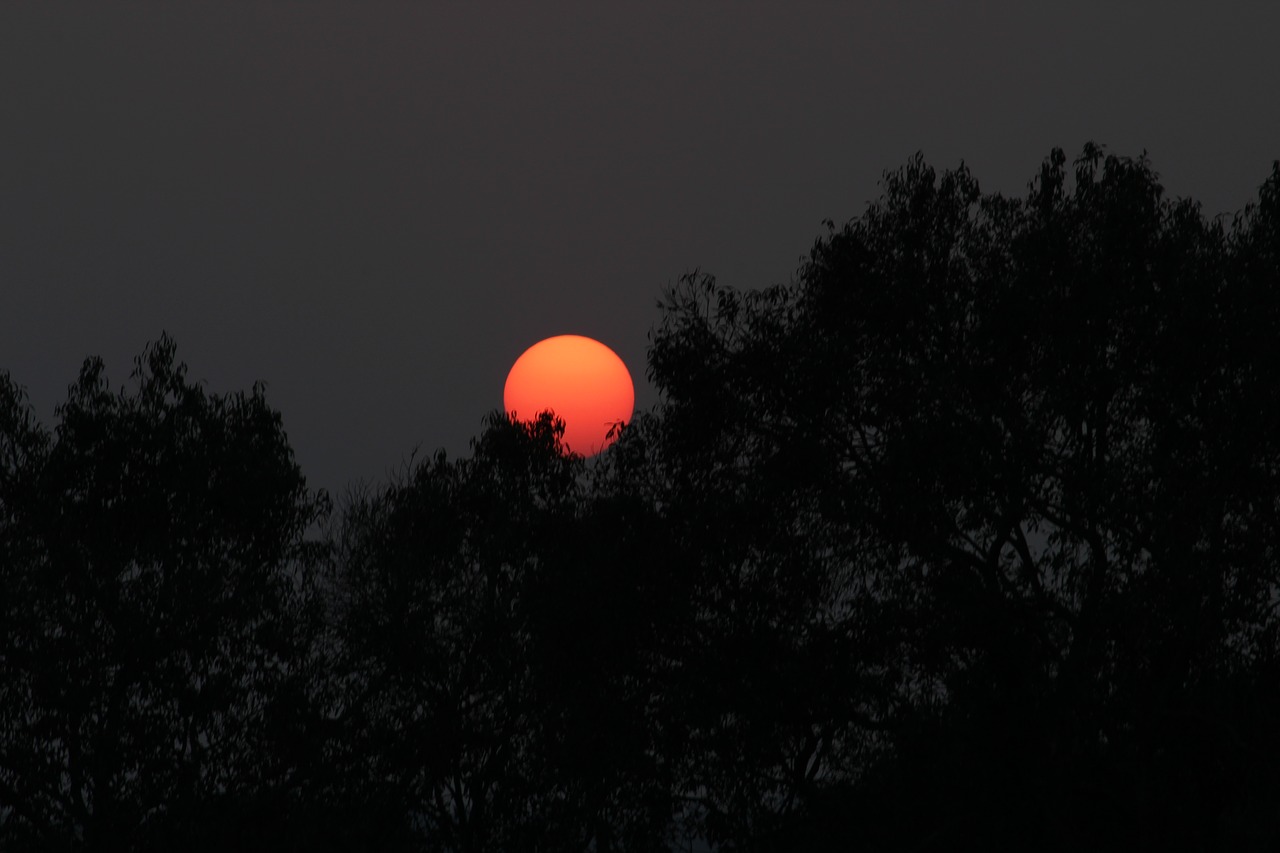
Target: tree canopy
(965,537)
(151,555)
(1033,445)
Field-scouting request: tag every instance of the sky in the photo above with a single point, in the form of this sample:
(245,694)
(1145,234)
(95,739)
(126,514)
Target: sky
(375,207)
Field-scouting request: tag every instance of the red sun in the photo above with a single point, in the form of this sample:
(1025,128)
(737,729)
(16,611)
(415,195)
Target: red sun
(580,380)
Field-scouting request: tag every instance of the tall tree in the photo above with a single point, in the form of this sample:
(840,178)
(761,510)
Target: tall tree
(996,480)
(492,631)
(964,538)
(154,587)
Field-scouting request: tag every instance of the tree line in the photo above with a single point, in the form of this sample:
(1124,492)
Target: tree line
(965,538)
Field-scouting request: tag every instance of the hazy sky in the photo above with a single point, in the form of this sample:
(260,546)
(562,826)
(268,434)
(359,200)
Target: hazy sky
(375,207)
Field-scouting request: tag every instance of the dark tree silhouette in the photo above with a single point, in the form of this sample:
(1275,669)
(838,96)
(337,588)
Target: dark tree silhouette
(964,539)
(492,623)
(985,506)
(152,613)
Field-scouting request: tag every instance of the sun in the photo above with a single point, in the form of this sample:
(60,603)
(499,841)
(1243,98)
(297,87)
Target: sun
(581,381)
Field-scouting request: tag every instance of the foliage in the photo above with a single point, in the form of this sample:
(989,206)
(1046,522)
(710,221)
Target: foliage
(964,538)
(490,627)
(151,601)
(1036,442)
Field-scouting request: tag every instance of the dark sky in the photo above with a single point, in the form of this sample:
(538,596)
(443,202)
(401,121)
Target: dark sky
(375,207)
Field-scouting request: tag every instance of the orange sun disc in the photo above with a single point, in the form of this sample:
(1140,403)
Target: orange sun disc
(580,380)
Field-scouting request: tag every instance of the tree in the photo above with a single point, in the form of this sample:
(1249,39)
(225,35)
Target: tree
(964,538)
(155,581)
(492,644)
(983,508)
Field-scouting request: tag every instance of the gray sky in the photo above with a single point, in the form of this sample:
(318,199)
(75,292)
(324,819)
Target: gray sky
(375,207)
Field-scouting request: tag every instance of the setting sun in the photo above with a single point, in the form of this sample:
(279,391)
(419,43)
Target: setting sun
(580,380)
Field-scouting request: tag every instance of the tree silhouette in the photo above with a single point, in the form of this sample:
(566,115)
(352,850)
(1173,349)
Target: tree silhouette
(1022,456)
(491,637)
(152,604)
(965,538)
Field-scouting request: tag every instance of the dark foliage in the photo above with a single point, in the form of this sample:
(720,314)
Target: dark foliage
(1022,457)
(149,553)
(964,539)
